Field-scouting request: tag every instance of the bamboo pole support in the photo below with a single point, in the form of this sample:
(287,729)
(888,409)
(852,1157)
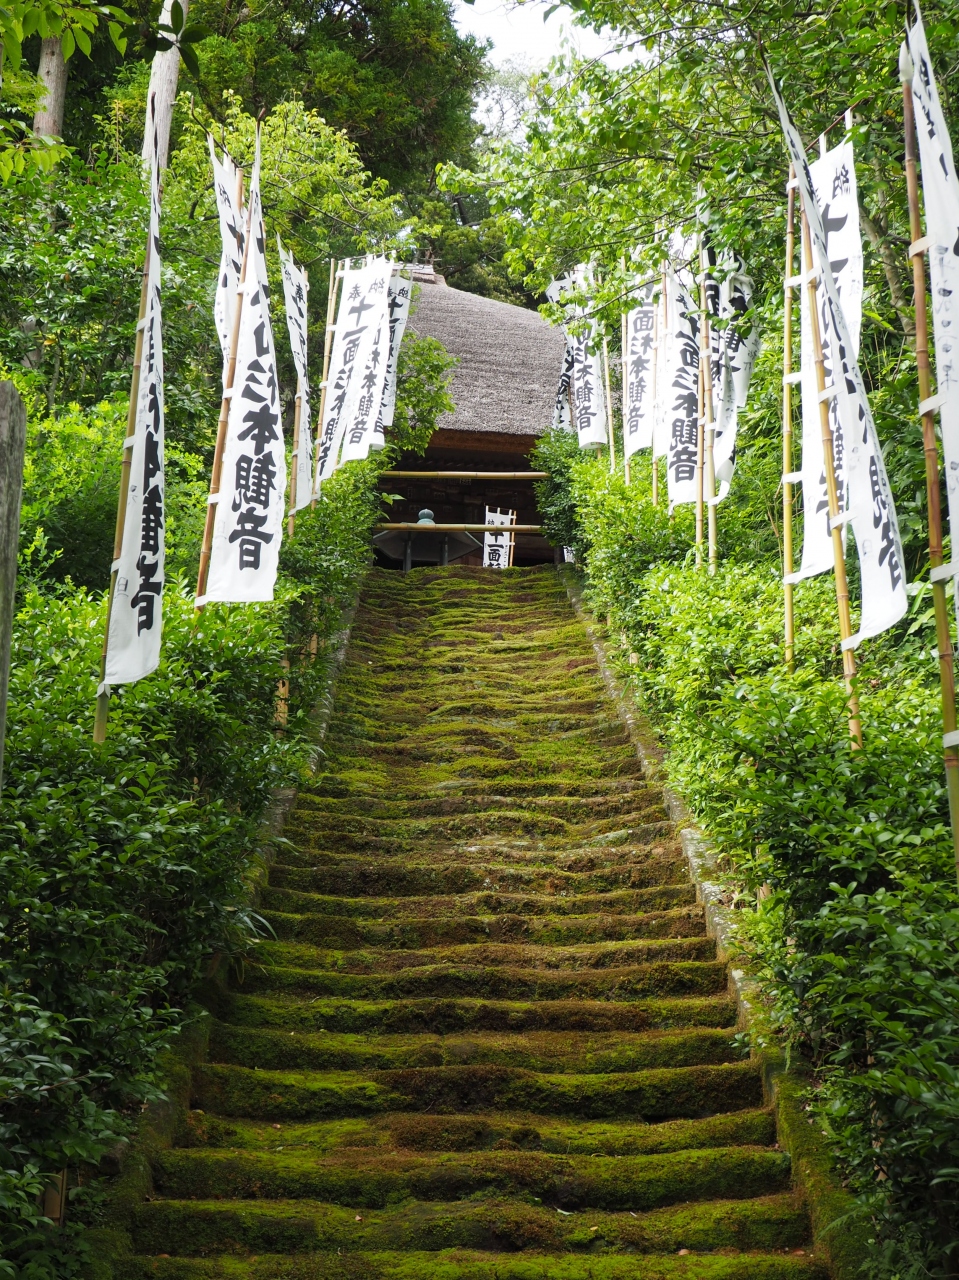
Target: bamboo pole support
(102,713)
(609,408)
(206,547)
(839,561)
(327,350)
(708,424)
(788,588)
(947,678)
(700,464)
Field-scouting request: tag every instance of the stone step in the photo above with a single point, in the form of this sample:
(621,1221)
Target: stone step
(374,1180)
(452,1016)
(426,931)
(658,1094)
(552,1051)
(514,1130)
(621,902)
(568,807)
(673,978)
(465,1264)
(190,1227)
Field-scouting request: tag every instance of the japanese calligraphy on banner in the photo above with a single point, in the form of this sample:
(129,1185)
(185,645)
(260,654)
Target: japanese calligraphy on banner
(940,187)
(359,435)
(834,181)
(733,355)
(136,615)
(232,235)
(497,547)
(363,301)
(399,298)
(562,410)
(681,391)
(249,514)
(869,502)
(587,397)
(639,374)
(295,289)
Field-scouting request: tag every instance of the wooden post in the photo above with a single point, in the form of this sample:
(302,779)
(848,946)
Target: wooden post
(609,408)
(707,421)
(13,434)
(790,622)
(947,678)
(206,546)
(102,713)
(839,561)
(327,349)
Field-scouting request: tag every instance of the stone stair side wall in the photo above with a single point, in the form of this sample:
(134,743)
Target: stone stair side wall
(839,1228)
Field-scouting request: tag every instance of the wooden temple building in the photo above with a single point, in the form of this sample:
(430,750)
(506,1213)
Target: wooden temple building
(504,391)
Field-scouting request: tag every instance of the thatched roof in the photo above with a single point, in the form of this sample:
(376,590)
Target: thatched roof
(510,359)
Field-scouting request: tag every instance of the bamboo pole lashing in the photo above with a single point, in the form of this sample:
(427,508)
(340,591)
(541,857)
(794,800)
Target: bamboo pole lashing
(947,678)
(102,712)
(839,561)
(206,546)
(788,589)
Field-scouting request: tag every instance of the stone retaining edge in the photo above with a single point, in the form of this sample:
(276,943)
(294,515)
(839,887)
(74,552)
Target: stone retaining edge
(840,1231)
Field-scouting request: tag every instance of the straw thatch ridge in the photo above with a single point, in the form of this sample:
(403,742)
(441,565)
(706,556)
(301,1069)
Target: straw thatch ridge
(510,359)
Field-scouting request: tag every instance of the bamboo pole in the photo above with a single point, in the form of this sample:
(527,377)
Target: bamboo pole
(662,324)
(839,561)
(102,713)
(609,408)
(708,424)
(700,463)
(206,547)
(327,350)
(788,590)
(295,457)
(624,338)
(947,679)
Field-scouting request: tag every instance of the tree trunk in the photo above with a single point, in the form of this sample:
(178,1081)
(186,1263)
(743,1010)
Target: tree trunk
(891,259)
(164,75)
(52,71)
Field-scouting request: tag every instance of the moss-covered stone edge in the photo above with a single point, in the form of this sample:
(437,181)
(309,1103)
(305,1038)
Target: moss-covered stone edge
(841,1231)
(130,1164)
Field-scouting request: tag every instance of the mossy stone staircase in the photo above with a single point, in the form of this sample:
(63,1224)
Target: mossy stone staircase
(492,1040)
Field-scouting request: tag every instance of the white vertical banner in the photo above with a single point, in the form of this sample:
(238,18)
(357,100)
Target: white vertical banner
(940,188)
(248,527)
(295,291)
(562,410)
(586,392)
(362,306)
(360,433)
(232,235)
(681,391)
(136,617)
(870,507)
(733,358)
(662,350)
(638,373)
(399,298)
(834,181)
(496,546)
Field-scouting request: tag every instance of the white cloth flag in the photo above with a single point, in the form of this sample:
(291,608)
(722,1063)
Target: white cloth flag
(834,180)
(587,397)
(562,411)
(360,434)
(136,618)
(870,506)
(295,290)
(681,391)
(496,546)
(232,235)
(940,187)
(399,299)
(661,426)
(249,514)
(363,300)
(733,357)
(638,374)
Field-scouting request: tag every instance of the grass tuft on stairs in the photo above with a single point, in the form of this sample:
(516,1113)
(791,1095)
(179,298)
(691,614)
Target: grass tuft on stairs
(492,1040)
